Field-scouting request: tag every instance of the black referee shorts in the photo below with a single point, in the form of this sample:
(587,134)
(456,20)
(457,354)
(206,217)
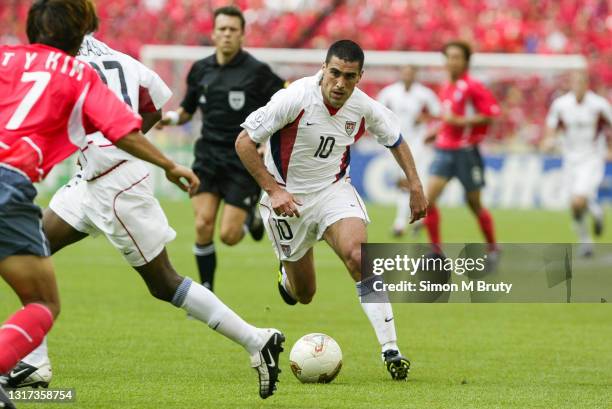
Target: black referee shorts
(21,230)
(221,173)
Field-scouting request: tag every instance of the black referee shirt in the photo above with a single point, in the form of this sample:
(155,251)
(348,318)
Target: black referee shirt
(227,94)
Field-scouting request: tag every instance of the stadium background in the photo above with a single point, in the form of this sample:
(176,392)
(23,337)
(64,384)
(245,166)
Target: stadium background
(120,348)
(544,28)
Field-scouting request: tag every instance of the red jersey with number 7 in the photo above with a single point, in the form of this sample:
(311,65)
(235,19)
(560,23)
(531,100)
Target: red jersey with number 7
(465,97)
(49,101)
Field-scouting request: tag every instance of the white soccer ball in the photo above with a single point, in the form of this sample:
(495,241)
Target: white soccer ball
(315,358)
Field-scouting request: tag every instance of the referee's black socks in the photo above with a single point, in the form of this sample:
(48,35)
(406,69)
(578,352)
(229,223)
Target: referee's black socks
(206,258)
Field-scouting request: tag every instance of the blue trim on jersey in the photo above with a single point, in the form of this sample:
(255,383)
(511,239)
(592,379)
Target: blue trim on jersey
(397,143)
(275,147)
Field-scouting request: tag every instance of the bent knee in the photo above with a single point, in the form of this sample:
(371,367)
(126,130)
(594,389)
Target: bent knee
(352,259)
(231,236)
(204,223)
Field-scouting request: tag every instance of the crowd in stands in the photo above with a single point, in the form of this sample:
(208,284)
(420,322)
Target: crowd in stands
(525,26)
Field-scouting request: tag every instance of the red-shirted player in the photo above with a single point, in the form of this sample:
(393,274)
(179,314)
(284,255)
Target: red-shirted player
(48,102)
(467,110)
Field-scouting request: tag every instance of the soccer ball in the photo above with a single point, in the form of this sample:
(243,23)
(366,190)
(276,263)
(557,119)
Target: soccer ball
(315,358)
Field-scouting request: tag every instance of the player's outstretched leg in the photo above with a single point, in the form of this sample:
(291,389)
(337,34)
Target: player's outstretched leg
(345,237)
(263,345)
(380,313)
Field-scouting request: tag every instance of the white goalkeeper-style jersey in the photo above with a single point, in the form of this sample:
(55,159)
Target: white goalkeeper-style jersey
(135,84)
(581,125)
(408,105)
(309,143)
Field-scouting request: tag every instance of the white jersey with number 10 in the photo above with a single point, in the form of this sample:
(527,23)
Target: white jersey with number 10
(309,142)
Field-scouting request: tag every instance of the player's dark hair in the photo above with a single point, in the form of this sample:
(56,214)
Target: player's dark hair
(462,45)
(346,50)
(232,12)
(61,23)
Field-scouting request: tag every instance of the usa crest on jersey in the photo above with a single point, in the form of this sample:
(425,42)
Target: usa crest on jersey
(349,127)
(236,100)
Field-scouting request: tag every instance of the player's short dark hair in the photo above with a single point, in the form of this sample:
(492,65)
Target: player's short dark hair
(61,23)
(462,45)
(346,50)
(232,12)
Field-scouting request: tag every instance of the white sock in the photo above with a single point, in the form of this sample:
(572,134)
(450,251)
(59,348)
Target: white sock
(595,209)
(582,230)
(403,211)
(39,355)
(380,315)
(204,305)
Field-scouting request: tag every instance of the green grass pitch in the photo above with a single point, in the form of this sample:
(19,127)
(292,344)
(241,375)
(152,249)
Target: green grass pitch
(120,348)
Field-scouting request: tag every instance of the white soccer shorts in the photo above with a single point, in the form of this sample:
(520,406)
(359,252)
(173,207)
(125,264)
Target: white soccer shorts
(584,178)
(292,237)
(121,206)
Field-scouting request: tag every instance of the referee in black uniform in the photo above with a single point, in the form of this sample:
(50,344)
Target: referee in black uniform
(227,86)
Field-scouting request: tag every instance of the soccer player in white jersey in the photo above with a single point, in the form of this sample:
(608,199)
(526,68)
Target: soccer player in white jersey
(579,116)
(414,104)
(309,128)
(113,195)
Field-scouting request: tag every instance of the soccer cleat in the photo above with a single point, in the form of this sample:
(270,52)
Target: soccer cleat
(25,375)
(397,365)
(266,362)
(255,224)
(287,298)
(5,402)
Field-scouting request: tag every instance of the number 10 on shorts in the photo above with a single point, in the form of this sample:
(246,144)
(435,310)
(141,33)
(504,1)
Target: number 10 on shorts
(283,228)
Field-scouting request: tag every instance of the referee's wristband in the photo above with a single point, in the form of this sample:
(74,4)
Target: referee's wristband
(173,117)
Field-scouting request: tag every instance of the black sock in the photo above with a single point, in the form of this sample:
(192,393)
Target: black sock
(206,259)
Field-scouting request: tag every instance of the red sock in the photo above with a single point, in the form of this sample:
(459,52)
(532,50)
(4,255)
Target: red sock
(486,225)
(22,333)
(432,223)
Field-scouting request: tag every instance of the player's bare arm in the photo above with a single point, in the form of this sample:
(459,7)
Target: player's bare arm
(418,202)
(149,119)
(136,144)
(283,202)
